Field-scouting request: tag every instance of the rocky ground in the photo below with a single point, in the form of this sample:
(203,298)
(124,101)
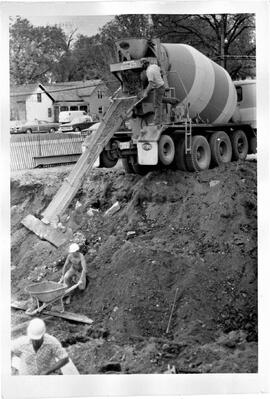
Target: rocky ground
(188,237)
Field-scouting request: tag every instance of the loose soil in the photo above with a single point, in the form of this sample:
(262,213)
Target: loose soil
(188,237)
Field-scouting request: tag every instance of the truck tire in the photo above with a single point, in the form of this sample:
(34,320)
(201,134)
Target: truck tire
(200,156)
(106,161)
(127,165)
(180,156)
(131,167)
(239,145)
(166,150)
(221,148)
(253,145)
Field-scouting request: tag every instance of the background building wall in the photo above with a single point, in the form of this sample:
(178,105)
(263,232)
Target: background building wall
(36,109)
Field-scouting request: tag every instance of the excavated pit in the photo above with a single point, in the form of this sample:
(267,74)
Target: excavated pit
(189,235)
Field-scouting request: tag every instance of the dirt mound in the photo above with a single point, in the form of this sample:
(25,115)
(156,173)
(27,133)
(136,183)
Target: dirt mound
(178,236)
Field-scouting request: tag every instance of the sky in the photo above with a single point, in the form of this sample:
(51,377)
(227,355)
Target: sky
(86,25)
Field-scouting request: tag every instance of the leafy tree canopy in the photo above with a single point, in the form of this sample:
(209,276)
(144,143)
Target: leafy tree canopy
(47,54)
(226,38)
(34,51)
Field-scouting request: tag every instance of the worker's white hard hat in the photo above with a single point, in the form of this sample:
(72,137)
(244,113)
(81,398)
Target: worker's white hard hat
(73,248)
(36,329)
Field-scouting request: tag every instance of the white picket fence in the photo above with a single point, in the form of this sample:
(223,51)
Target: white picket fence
(29,151)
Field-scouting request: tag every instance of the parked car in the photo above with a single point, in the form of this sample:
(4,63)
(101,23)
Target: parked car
(37,126)
(68,116)
(93,128)
(77,124)
(13,125)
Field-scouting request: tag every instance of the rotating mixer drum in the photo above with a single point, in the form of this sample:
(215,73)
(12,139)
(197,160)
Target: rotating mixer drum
(202,83)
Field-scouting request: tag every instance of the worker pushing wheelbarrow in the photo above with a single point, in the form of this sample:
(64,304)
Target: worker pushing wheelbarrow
(49,292)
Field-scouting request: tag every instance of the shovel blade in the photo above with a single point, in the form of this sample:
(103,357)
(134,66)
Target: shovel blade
(46,231)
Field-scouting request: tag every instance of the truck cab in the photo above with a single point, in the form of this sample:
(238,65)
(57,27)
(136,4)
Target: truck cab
(246,102)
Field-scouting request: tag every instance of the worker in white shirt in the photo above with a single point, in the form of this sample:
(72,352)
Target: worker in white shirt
(156,83)
(38,353)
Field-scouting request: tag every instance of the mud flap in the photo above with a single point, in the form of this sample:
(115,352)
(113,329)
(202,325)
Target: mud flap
(46,231)
(147,153)
(147,145)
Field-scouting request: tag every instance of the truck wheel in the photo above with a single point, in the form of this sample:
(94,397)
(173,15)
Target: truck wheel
(253,145)
(166,150)
(200,156)
(221,148)
(106,161)
(239,145)
(127,165)
(180,156)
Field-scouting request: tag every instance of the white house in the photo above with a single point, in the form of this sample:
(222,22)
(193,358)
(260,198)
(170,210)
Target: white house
(44,102)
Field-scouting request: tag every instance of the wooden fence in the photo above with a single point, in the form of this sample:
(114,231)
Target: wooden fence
(30,151)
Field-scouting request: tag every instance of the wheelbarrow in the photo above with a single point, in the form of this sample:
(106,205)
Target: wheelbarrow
(48,292)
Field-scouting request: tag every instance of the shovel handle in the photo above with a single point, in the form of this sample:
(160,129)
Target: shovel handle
(170,319)
(71,288)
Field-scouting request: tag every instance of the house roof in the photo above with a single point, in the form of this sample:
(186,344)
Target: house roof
(61,91)
(72,91)
(23,90)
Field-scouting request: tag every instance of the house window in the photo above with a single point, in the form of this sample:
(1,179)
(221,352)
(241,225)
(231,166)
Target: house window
(100,110)
(99,94)
(39,97)
(83,108)
(74,108)
(49,112)
(64,108)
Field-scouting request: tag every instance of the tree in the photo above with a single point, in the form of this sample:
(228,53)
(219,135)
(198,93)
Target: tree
(34,51)
(63,70)
(90,57)
(126,26)
(226,38)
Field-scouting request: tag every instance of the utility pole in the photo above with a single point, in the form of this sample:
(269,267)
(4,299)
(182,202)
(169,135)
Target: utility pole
(222,40)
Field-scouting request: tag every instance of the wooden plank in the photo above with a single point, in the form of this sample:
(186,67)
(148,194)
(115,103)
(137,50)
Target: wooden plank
(46,231)
(80,318)
(56,159)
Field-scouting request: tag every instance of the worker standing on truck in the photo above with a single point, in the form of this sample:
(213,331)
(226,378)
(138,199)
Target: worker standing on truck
(38,353)
(77,270)
(156,83)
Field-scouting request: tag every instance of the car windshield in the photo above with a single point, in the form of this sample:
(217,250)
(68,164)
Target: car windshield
(30,122)
(16,123)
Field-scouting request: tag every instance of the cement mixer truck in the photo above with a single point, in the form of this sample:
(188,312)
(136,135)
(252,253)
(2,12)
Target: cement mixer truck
(206,120)
(203,123)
